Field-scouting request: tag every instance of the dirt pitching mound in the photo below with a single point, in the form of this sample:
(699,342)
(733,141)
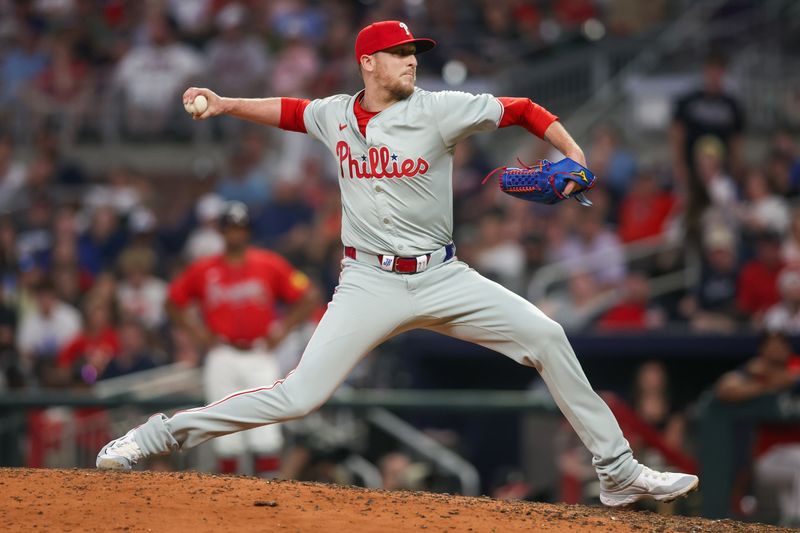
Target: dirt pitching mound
(89,500)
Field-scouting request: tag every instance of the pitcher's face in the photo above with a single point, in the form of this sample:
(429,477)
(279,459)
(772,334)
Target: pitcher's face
(396,70)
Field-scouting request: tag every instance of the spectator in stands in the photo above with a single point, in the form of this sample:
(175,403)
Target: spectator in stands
(501,256)
(64,255)
(578,483)
(104,289)
(762,209)
(206,239)
(59,96)
(783,164)
(651,401)
(86,356)
(135,352)
(711,304)
(40,179)
(193,20)
(573,13)
(101,243)
(44,330)
(785,315)
(634,311)
(119,191)
(21,63)
(245,180)
(397,472)
(533,244)
(70,281)
(719,188)
(593,248)
(631,17)
(66,171)
(237,60)
(338,73)
(708,111)
(495,44)
(13,173)
(579,306)
(140,295)
(777,450)
(296,66)
(148,80)
(757,286)
(790,249)
(35,237)
(10,369)
(8,260)
(645,209)
(607,158)
(285,213)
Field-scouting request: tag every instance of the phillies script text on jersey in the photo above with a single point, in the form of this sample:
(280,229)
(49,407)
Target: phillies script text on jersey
(381,163)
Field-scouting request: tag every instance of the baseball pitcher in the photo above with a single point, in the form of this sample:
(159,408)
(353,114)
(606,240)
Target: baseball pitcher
(393,145)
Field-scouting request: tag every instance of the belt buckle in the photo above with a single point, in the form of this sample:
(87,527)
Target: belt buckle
(411,265)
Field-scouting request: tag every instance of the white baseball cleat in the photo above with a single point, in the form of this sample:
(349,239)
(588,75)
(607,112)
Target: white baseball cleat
(660,486)
(120,454)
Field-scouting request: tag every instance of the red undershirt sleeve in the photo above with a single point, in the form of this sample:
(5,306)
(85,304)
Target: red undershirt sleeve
(292,110)
(523,112)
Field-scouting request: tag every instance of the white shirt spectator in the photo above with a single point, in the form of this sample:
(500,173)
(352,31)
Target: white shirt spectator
(153,76)
(145,302)
(722,191)
(780,318)
(238,62)
(506,260)
(44,335)
(790,251)
(11,182)
(770,213)
(206,239)
(603,256)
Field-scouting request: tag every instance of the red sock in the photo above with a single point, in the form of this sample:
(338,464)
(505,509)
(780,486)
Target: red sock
(228,466)
(267,465)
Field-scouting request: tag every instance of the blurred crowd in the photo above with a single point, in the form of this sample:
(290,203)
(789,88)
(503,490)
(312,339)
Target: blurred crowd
(86,256)
(111,69)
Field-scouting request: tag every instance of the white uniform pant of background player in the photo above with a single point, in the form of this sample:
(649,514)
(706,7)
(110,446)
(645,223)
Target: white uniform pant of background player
(228,370)
(778,482)
(371,305)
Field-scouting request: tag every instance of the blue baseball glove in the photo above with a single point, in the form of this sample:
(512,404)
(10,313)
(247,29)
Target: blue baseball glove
(545,182)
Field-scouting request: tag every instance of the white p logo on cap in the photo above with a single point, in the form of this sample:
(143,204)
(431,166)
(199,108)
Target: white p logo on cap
(405,28)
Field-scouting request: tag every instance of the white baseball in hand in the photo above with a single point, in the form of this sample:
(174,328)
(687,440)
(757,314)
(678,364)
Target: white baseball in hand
(197,106)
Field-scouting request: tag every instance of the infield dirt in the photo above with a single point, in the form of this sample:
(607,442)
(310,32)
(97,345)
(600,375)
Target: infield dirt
(89,500)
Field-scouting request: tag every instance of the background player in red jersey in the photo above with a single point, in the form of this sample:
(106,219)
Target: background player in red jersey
(237,293)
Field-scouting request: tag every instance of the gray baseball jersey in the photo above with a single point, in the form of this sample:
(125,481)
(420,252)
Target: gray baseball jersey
(397,200)
(397,192)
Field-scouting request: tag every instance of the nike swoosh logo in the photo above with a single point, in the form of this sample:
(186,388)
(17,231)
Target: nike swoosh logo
(342,126)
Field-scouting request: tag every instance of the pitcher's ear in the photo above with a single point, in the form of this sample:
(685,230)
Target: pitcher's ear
(367,63)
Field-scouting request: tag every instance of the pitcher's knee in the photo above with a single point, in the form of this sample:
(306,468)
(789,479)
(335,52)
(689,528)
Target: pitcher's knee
(545,333)
(545,340)
(553,333)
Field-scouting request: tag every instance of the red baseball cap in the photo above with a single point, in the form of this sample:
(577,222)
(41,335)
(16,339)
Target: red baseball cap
(386,34)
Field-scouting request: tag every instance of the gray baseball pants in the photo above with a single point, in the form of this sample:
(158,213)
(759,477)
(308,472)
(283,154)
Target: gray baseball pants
(372,305)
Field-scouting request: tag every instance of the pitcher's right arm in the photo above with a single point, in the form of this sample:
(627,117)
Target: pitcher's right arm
(276,111)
